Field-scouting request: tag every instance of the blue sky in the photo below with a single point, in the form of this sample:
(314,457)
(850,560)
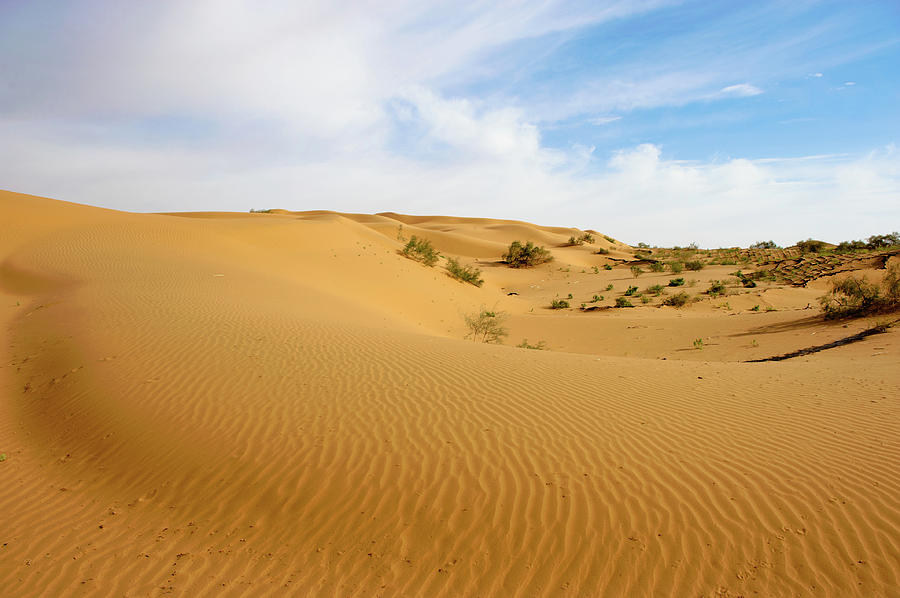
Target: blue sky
(651,120)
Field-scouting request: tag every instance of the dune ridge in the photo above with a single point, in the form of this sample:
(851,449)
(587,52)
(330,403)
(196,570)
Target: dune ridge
(279,403)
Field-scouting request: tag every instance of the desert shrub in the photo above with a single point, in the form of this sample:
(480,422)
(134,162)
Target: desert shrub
(607,267)
(764,245)
(658,267)
(856,296)
(538,347)
(716,288)
(694,265)
(602,251)
(623,302)
(679,299)
(559,304)
(850,246)
(420,250)
(486,326)
(596,298)
(676,282)
(676,267)
(636,271)
(581,239)
(643,246)
(631,291)
(656,289)
(469,274)
(698,343)
(645,299)
(610,239)
(882,241)
(810,246)
(609,287)
(525,256)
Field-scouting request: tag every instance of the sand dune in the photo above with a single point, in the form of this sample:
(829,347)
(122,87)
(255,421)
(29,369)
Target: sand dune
(280,404)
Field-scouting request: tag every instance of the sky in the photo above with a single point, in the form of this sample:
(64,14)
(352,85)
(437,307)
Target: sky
(657,121)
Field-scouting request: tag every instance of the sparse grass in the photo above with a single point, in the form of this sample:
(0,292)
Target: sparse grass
(469,274)
(525,256)
(581,239)
(698,343)
(538,347)
(602,251)
(595,269)
(855,296)
(676,282)
(420,250)
(636,271)
(596,298)
(610,239)
(646,299)
(623,302)
(679,299)
(486,326)
(559,304)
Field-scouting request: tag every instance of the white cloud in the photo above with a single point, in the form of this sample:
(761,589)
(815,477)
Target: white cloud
(604,120)
(742,90)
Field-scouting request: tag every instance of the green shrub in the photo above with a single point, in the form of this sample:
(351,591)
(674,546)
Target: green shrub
(856,296)
(609,287)
(538,347)
(679,299)
(607,267)
(623,302)
(656,289)
(469,274)
(559,304)
(676,282)
(694,265)
(658,267)
(486,326)
(676,267)
(420,250)
(645,299)
(525,256)
(716,288)
(698,343)
(631,291)
(602,251)
(636,271)
(610,239)
(596,298)
(764,245)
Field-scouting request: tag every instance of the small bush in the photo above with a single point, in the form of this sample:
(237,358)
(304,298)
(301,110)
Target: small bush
(469,274)
(676,267)
(559,304)
(755,308)
(658,267)
(602,251)
(525,256)
(656,289)
(607,267)
(609,287)
(698,343)
(856,296)
(420,250)
(636,271)
(676,282)
(596,298)
(623,302)
(486,326)
(764,245)
(716,288)
(694,265)
(610,239)
(631,291)
(679,299)
(645,299)
(538,347)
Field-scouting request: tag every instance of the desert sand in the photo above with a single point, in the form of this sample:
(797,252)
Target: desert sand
(222,404)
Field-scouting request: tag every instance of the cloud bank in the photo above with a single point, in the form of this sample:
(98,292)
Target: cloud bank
(404,107)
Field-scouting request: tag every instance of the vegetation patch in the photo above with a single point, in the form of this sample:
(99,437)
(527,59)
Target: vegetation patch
(486,326)
(676,282)
(420,250)
(855,296)
(469,274)
(679,299)
(559,304)
(623,302)
(525,256)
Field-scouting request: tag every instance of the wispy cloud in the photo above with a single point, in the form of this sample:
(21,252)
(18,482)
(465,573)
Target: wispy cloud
(742,90)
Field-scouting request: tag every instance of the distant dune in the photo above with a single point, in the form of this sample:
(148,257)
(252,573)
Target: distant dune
(281,404)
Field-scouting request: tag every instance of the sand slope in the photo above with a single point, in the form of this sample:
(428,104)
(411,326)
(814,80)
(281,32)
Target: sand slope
(280,404)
